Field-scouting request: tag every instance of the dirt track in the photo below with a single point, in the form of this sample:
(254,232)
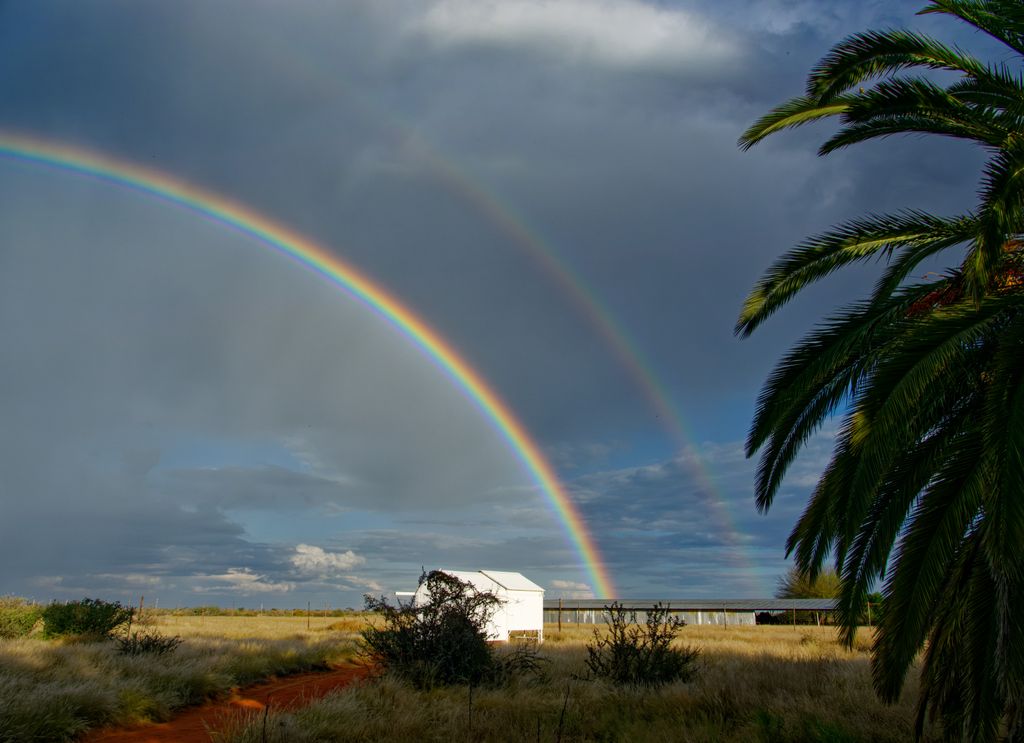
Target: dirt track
(194,725)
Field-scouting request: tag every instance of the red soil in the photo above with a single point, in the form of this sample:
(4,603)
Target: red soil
(195,725)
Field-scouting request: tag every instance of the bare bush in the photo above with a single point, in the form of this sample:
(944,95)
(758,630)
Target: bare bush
(439,642)
(147,643)
(640,655)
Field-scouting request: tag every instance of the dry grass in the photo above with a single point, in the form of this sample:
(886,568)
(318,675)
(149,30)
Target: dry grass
(266,627)
(772,684)
(775,684)
(51,691)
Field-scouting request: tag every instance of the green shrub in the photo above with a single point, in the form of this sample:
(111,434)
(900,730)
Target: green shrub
(440,642)
(147,643)
(18,617)
(640,655)
(88,617)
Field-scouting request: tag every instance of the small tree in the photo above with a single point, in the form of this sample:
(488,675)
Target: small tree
(17,617)
(797,584)
(88,618)
(641,655)
(442,641)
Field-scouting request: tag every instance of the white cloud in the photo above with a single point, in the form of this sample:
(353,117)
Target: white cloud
(242,581)
(613,33)
(367,583)
(318,561)
(129,580)
(571,589)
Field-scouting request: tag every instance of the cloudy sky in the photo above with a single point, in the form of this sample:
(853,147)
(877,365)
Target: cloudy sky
(552,185)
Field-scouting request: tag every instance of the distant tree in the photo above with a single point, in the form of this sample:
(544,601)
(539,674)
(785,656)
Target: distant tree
(797,584)
(93,618)
(925,488)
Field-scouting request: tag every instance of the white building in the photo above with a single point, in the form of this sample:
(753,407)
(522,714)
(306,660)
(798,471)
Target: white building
(521,612)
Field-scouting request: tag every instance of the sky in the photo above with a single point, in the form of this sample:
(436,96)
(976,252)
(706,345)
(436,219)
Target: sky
(553,186)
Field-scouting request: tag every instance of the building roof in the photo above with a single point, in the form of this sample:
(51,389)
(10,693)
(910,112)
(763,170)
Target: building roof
(695,604)
(494,580)
(512,581)
(475,578)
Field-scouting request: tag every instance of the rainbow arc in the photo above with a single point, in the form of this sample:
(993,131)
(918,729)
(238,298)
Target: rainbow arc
(320,260)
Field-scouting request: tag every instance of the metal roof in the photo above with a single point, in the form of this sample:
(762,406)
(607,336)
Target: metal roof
(695,604)
(476,578)
(494,580)
(512,581)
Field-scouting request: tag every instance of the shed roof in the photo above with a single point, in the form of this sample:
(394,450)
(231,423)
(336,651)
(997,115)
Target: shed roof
(476,578)
(512,581)
(494,580)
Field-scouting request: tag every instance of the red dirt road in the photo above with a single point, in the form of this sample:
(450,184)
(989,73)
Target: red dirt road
(194,725)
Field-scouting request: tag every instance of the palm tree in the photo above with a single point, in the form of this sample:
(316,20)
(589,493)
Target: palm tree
(925,488)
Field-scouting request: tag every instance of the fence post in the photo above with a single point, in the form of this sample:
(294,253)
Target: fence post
(559,615)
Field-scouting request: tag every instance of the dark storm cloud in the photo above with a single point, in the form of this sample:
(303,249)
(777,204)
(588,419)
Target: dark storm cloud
(620,149)
(141,346)
(257,488)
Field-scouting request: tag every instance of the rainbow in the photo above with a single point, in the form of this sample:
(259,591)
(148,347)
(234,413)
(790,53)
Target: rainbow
(221,210)
(459,181)
(584,298)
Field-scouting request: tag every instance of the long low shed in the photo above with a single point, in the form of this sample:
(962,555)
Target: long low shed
(691,611)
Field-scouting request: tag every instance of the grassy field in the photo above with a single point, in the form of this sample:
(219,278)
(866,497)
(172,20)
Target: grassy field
(53,691)
(772,684)
(265,627)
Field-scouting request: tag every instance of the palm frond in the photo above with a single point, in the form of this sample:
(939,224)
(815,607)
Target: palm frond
(906,381)
(922,560)
(789,115)
(869,553)
(1001,216)
(1001,19)
(904,261)
(916,106)
(872,54)
(851,242)
(1000,90)
(957,676)
(812,380)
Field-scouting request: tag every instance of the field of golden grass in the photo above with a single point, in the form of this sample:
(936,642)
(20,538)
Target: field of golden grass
(775,684)
(266,627)
(54,690)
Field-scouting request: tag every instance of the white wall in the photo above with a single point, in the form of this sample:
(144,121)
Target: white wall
(521,610)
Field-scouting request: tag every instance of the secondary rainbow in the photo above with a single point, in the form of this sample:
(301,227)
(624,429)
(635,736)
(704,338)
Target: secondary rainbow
(458,179)
(76,159)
